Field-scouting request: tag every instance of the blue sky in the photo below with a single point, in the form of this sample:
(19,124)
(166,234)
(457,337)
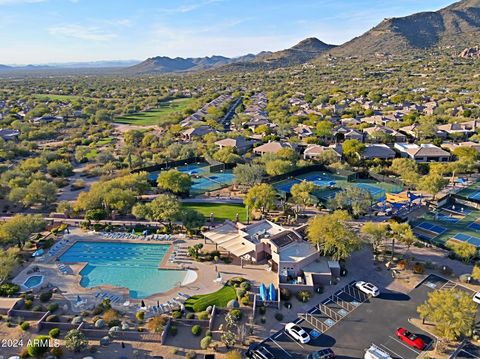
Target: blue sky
(45,31)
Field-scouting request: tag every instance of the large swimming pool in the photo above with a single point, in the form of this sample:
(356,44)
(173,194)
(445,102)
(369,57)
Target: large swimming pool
(130,265)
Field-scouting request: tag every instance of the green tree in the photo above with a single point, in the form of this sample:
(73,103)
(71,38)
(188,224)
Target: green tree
(432,184)
(40,192)
(324,129)
(302,194)
(261,197)
(174,181)
(249,174)
(476,272)
(164,208)
(407,169)
(76,341)
(279,167)
(332,235)
(133,138)
(463,250)
(357,201)
(19,228)
(227,155)
(376,232)
(452,311)
(191,219)
(353,149)
(60,168)
(233,354)
(8,261)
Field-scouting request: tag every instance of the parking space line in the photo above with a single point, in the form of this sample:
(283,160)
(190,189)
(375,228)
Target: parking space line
(391,351)
(405,345)
(278,345)
(293,340)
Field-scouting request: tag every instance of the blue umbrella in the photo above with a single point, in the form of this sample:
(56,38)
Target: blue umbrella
(263,292)
(272,293)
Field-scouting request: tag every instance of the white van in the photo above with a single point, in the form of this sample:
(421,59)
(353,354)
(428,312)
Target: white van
(375,352)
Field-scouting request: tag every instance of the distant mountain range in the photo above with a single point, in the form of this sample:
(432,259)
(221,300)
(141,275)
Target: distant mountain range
(72,65)
(454,27)
(302,52)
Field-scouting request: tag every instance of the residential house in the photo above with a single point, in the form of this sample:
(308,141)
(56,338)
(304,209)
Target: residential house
(200,131)
(303,131)
(414,131)
(9,135)
(271,147)
(452,146)
(389,133)
(314,151)
(378,150)
(239,144)
(464,128)
(423,152)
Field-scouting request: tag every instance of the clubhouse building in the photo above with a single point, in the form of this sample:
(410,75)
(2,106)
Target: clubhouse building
(284,251)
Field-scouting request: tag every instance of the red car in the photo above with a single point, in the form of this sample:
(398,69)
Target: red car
(410,339)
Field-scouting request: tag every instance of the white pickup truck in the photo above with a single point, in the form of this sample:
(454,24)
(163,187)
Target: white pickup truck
(375,352)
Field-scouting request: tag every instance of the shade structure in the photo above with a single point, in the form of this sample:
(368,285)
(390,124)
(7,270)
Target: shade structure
(263,292)
(272,293)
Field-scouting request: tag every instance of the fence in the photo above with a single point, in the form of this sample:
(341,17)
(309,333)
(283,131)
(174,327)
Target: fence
(297,172)
(170,164)
(386,179)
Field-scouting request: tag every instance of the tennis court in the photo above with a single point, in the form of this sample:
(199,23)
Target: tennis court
(431,228)
(457,209)
(330,184)
(471,192)
(475,226)
(475,195)
(467,238)
(447,217)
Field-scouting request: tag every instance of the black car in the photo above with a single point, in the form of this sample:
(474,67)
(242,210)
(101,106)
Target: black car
(256,351)
(322,354)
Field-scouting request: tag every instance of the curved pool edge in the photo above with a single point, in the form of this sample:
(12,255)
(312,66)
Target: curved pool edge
(42,279)
(190,277)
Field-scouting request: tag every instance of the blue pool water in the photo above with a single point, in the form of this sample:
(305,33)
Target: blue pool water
(130,265)
(33,281)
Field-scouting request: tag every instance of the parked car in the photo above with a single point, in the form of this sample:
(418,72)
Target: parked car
(256,351)
(367,288)
(322,354)
(375,352)
(476,297)
(410,339)
(297,332)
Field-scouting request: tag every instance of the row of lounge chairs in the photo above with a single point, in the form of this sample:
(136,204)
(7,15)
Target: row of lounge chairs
(64,268)
(114,298)
(126,235)
(57,247)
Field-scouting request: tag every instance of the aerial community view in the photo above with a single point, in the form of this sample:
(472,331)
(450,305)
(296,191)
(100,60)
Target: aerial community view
(239,179)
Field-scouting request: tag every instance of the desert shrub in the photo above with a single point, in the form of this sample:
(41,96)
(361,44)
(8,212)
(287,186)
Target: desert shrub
(191,355)
(174,351)
(97,310)
(76,341)
(38,308)
(304,296)
(418,268)
(173,330)
(52,307)
(402,264)
(233,304)
(52,318)
(208,333)
(25,326)
(245,300)
(28,304)
(279,316)
(176,314)
(156,324)
(45,296)
(203,315)
(38,346)
(8,289)
(190,316)
(285,294)
(245,285)
(236,314)
(240,293)
(205,342)
(54,333)
(196,330)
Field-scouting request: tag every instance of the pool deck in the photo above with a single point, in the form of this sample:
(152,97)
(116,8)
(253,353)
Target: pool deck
(199,279)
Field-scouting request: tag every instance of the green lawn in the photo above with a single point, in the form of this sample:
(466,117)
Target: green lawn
(220,298)
(157,116)
(47,96)
(220,211)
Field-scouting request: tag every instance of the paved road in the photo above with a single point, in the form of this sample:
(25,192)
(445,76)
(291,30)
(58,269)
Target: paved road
(226,121)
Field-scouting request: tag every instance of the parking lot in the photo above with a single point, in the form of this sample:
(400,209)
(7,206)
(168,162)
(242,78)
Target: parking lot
(349,322)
